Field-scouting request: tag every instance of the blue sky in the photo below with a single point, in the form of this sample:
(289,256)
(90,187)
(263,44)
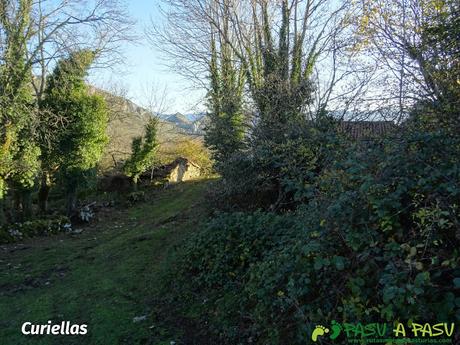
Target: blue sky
(144,69)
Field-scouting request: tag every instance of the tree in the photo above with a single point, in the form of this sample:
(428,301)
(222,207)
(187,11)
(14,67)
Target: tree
(26,170)
(61,26)
(277,52)
(416,45)
(143,152)
(286,37)
(261,54)
(440,50)
(75,148)
(225,130)
(18,153)
(70,25)
(34,35)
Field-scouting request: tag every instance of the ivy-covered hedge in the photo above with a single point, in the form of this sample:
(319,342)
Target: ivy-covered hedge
(376,240)
(42,227)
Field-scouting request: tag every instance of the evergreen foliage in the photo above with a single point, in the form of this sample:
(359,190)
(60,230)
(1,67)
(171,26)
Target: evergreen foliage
(75,148)
(18,153)
(226,129)
(143,152)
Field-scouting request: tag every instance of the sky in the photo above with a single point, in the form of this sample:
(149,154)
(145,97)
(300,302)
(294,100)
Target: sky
(144,71)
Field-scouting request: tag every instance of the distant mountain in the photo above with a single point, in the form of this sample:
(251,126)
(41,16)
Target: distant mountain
(195,116)
(191,123)
(180,120)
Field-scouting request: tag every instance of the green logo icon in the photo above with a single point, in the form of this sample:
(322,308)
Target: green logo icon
(318,332)
(336,330)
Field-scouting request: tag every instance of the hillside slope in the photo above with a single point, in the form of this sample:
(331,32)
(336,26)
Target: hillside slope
(127,121)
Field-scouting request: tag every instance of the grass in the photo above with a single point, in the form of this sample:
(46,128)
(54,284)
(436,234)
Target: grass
(103,277)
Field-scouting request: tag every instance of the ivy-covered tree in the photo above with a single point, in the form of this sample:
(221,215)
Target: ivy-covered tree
(143,152)
(18,153)
(226,128)
(280,67)
(75,148)
(26,170)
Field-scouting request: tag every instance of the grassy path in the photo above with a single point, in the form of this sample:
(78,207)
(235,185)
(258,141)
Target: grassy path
(103,277)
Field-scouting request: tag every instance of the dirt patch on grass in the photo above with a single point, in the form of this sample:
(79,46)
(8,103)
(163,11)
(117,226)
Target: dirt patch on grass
(32,282)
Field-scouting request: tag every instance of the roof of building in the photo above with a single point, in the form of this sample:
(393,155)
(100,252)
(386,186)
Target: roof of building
(366,129)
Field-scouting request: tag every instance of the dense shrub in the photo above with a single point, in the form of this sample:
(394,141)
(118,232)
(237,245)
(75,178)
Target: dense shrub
(375,239)
(136,197)
(276,174)
(40,227)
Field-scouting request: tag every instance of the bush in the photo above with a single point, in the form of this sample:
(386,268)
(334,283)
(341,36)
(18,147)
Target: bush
(136,197)
(277,174)
(191,148)
(375,238)
(41,227)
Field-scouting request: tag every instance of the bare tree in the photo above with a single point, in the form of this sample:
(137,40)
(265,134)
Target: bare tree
(393,34)
(184,38)
(59,27)
(313,38)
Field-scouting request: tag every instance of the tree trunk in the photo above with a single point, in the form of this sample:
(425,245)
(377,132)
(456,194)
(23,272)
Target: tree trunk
(73,180)
(44,193)
(71,201)
(2,212)
(26,201)
(16,211)
(22,204)
(135,182)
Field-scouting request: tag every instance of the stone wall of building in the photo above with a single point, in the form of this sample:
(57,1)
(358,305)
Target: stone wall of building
(183,170)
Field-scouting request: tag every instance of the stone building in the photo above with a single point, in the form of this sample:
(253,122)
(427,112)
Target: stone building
(180,170)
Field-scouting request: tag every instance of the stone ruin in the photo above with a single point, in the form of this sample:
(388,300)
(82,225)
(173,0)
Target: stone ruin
(181,170)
